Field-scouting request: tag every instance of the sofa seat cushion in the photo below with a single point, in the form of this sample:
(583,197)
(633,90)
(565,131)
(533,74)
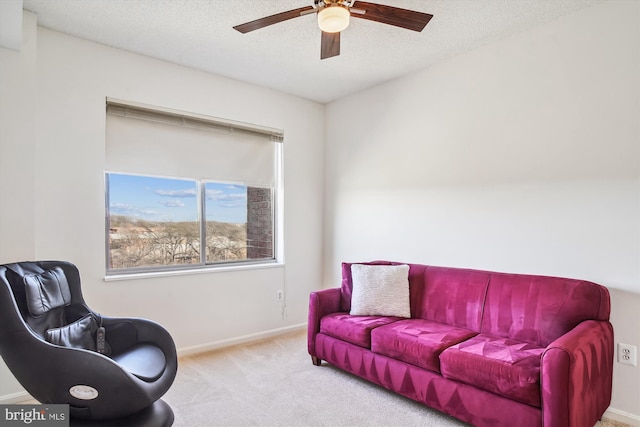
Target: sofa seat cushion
(417,341)
(502,366)
(353,329)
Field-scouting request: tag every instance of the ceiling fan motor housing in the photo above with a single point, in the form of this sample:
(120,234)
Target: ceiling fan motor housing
(324,3)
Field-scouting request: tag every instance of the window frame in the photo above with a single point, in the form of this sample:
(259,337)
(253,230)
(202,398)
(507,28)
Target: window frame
(273,135)
(203,264)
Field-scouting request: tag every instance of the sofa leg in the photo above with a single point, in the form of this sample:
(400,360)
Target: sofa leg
(316,360)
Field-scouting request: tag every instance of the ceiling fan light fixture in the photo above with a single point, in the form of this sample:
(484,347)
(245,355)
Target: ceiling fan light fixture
(333,18)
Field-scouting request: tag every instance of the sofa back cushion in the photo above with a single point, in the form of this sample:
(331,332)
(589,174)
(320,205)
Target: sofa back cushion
(453,296)
(527,308)
(538,309)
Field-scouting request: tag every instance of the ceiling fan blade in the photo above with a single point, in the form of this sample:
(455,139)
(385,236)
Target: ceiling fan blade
(330,45)
(270,20)
(404,18)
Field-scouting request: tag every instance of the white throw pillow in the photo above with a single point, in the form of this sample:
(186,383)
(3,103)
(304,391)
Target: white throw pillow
(380,290)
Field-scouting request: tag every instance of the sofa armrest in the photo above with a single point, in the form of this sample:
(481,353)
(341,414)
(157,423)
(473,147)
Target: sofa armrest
(576,375)
(321,303)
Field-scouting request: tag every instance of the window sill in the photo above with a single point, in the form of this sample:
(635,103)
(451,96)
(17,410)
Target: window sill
(202,270)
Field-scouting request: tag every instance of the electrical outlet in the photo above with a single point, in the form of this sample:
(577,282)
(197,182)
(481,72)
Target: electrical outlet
(280,295)
(627,354)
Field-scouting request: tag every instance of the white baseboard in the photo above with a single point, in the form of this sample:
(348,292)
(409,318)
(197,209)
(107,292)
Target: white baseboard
(622,416)
(216,345)
(21,397)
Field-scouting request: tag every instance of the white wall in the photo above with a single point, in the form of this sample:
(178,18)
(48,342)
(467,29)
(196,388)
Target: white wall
(520,156)
(17,141)
(52,158)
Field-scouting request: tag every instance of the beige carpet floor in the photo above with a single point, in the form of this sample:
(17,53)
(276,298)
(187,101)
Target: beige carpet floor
(274,383)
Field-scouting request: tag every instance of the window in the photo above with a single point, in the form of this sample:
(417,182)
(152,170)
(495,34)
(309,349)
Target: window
(186,191)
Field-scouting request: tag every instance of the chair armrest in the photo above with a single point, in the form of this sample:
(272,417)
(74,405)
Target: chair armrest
(321,303)
(130,331)
(576,375)
(122,333)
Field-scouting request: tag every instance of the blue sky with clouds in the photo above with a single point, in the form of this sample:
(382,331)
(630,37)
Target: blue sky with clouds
(169,199)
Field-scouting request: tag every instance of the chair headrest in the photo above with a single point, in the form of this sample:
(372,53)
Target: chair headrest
(46,290)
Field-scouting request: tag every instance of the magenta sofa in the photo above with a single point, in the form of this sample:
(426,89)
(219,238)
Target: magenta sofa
(491,349)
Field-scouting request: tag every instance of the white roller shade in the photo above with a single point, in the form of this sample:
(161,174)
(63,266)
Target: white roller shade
(154,141)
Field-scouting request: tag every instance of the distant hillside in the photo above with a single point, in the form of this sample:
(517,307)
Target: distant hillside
(135,242)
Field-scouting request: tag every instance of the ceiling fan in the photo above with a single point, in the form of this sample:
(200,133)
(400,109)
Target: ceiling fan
(333,17)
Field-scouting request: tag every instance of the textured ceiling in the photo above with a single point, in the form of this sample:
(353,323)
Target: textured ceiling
(286,56)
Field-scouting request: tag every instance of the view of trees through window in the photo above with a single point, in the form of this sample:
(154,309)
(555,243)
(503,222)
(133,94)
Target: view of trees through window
(154,222)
